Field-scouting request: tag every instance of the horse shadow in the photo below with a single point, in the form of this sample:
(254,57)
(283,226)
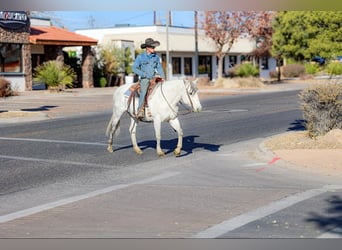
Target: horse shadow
(333,221)
(189,145)
(168,146)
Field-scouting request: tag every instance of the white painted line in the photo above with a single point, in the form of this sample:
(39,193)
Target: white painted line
(54,161)
(254,164)
(335,233)
(55,141)
(241,220)
(41,208)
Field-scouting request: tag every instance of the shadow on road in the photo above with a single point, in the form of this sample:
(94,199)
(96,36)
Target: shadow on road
(332,222)
(168,146)
(41,108)
(297,125)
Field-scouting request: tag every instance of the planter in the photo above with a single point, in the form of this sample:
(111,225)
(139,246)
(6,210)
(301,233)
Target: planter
(129,79)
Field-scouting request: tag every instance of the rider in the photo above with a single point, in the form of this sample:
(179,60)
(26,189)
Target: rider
(147,65)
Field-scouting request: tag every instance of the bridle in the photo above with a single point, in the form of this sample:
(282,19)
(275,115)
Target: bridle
(192,91)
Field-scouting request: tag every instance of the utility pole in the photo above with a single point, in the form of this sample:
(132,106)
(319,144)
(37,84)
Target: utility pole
(196,43)
(167,46)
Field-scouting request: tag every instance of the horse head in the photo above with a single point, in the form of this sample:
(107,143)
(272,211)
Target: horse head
(191,98)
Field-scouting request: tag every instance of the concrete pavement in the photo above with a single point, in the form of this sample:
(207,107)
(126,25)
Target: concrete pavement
(185,189)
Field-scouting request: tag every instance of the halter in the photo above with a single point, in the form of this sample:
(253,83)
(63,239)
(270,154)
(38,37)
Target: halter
(193,90)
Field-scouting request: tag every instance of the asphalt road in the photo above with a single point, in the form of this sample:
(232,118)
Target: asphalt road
(47,161)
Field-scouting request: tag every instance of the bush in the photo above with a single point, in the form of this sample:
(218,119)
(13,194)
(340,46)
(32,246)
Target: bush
(293,70)
(246,70)
(103,82)
(334,68)
(5,88)
(322,108)
(55,75)
(311,68)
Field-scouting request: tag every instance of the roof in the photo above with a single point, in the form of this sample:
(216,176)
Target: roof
(179,39)
(57,36)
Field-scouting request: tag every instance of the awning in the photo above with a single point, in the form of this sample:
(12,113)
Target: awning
(57,36)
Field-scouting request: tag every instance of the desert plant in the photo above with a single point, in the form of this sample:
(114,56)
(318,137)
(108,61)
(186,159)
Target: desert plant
(5,88)
(334,68)
(322,108)
(246,70)
(293,70)
(55,75)
(311,68)
(103,82)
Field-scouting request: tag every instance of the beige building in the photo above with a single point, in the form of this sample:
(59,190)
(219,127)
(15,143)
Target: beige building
(179,45)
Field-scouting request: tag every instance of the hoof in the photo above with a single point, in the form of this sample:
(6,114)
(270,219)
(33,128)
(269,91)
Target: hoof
(176,152)
(138,151)
(161,154)
(110,149)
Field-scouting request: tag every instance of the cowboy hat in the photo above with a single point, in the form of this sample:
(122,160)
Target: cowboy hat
(149,42)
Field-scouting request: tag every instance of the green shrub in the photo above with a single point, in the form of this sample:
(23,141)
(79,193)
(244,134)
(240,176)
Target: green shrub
(334,68)
(55,75)
(246,70)
(311,68)
(293,70)
(322,108)
(5,88)
(103,82)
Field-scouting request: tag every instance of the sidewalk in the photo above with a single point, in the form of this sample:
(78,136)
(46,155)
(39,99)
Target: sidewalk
(40,105)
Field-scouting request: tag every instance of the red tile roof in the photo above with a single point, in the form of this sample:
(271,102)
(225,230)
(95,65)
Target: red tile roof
(57,36)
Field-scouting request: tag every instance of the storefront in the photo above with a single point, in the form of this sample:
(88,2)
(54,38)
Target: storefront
(27,42)
(15,50)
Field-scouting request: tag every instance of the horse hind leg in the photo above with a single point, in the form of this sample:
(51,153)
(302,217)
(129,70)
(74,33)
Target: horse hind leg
(112,128)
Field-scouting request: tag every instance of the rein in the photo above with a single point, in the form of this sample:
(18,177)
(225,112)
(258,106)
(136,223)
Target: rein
(188,95)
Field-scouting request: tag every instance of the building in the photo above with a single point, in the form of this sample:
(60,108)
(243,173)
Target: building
(178,44)
(27,42)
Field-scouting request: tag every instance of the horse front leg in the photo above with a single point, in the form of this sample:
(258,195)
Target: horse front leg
(176,126)
(157,126)
(133,132)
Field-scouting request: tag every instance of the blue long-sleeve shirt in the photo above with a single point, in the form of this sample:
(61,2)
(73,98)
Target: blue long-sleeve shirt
(147,66)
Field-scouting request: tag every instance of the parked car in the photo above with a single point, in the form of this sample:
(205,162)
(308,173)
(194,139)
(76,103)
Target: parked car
(339,58)
(319,60)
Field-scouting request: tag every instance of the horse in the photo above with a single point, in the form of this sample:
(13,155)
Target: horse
(163,103)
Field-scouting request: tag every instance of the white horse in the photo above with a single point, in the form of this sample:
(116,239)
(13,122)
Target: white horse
(163,106)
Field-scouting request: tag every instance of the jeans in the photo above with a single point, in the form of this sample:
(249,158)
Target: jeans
(144,83)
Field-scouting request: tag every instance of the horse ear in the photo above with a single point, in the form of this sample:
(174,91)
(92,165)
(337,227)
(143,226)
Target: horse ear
(195,81)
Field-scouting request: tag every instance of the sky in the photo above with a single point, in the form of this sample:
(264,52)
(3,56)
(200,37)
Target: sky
(74,20)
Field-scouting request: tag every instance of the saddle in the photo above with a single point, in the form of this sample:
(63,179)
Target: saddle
(135,91)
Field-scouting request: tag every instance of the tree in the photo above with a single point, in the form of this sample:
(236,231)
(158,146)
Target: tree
(301,35)
(112,60)
(224,28)
(260,28)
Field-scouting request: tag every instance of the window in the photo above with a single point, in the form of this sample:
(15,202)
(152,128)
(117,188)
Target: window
(10,58)
(264,63)
(188,66)
(204,64)
(232,61)
(176,65)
